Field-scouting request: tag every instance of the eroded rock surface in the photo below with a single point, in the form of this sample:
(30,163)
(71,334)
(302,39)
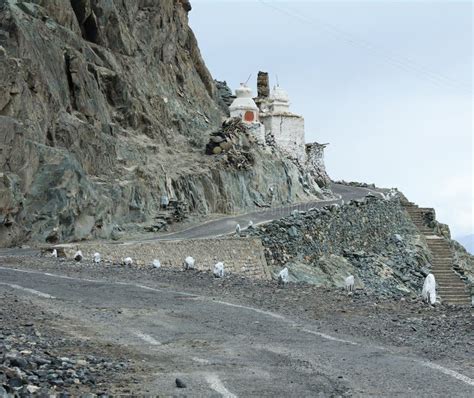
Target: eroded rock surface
(104,106)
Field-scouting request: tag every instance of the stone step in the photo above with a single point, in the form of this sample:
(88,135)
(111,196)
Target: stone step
(444,280)
(462,302)
(451,296)
(445,273)
(449,282)
(454,298)
(446,277)
(451,285)
(462,296)
(452,289)
(435,266)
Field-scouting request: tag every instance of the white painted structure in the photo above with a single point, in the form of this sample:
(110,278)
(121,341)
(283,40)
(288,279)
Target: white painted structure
(283,277)
(282,127)
(349,282)
(244,106)
(219,270)
(189,263)
(429,289)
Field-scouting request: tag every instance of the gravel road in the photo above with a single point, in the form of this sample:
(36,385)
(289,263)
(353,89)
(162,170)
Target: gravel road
(235,337)
(226,225)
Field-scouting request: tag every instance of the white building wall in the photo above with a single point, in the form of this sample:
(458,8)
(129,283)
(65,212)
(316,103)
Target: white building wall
(288,134)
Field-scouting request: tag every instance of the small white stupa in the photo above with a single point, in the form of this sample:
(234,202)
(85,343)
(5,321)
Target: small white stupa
(279,101)
(244,106)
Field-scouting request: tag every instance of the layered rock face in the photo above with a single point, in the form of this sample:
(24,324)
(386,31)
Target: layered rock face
(106,105)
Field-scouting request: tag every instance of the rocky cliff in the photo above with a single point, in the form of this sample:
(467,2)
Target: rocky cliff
(105,105)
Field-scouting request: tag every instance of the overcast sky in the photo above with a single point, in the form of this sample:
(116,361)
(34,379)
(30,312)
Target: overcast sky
(388,84)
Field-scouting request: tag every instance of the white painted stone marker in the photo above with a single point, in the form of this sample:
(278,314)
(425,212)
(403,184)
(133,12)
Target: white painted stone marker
(189,263)
(429,289)
(283,277)
(350,283)
(219,270)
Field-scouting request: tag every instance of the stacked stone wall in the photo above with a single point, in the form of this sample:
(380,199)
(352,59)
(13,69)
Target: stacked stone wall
(242,256)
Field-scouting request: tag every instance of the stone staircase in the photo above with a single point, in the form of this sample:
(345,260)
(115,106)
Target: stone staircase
(450,287)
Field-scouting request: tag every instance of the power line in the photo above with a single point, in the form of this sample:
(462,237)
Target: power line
(350,39)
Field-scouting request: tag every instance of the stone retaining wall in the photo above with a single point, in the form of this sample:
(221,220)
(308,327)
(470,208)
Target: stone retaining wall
(243,256)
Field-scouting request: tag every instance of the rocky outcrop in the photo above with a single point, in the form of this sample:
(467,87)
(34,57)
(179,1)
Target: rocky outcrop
(105,106)
(315,163)
(372,239)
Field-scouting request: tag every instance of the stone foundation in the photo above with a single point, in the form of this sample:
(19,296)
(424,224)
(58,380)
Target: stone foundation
(240,255)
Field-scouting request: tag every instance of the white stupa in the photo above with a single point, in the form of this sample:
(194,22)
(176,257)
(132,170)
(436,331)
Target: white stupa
(244,106)
(279,101)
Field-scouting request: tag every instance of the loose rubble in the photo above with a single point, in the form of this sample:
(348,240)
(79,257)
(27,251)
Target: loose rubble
(233,143)
(38,360)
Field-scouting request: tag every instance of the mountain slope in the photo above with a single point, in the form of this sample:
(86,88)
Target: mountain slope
(105,106)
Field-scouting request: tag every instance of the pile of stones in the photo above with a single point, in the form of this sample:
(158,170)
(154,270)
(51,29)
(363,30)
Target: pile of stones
(28,366)
(175,212)
(372,239)
(233,143)
(356,184)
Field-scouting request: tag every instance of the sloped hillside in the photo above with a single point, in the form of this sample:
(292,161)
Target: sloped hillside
(105,105)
